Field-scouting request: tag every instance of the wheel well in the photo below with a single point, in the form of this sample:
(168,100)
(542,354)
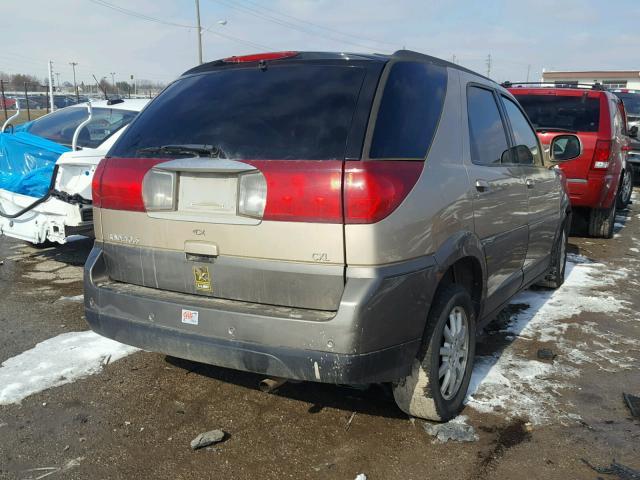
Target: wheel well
(466,272)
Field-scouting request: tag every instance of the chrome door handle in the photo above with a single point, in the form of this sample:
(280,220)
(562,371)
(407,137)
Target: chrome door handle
(530,183)
(482,185)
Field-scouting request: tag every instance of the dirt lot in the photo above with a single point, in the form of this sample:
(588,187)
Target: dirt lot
(134,417)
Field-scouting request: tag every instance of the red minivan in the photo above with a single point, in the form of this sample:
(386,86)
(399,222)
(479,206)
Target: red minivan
(598,180)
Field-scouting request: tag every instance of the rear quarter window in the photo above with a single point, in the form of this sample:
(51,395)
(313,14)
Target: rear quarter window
(409,111)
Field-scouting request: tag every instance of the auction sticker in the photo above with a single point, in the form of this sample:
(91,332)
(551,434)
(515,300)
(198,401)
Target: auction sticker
(190,317)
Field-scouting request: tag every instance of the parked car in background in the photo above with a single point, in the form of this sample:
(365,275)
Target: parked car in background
(631,100)
(34,153)
(598,180)
(335,218)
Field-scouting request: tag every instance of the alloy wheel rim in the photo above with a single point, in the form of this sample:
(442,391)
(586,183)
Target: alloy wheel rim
(454,352)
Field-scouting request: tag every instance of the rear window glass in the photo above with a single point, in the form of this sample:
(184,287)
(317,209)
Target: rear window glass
(409,111)
(285,112)
(579,114)
(60,125)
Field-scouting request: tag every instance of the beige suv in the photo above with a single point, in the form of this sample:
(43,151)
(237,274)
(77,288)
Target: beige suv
(332,218)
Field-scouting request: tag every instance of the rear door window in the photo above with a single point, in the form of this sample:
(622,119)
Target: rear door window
(286,112)
(409,112)
(577,114)
(487,135)
(523,134)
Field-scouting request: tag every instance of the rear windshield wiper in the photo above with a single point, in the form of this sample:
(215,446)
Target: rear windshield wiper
(555,129)
(198,150)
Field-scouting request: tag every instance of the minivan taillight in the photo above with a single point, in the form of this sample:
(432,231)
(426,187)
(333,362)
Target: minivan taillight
(374,189)
(298,190)
(117,183)
(601,155)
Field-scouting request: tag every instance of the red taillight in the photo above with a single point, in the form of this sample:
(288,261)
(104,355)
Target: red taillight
(117,183)
(374,189)
(95,183)
(601,155)
(260,56)
(302,190)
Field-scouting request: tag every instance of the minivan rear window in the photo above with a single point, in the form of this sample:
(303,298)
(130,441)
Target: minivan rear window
(580,114)
(301,112)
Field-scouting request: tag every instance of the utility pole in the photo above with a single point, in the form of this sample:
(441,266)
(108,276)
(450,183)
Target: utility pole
(199,28)
(113,81)
(528,71)
(489,66)
(453,58)
(53,106)
(58,80)
(75,86)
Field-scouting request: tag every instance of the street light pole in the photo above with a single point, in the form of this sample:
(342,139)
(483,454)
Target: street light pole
(199,28)
(75,85)
(58,82)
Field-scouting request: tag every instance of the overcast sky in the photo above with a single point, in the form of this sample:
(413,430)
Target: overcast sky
(563,34)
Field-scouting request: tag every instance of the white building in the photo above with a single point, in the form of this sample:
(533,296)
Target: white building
(610,79)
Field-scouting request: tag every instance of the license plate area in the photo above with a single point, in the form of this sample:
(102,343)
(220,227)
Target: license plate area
(208,198)
(207,193)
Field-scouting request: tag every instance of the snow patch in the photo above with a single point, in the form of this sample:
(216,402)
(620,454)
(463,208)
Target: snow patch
(57,361)
(522,387)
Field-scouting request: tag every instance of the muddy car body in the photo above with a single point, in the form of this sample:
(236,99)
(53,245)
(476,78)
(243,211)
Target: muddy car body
(372,212)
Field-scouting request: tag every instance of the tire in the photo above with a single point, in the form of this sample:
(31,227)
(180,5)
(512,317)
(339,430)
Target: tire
(421,393)
(555,276)
(626,189)
(601,221)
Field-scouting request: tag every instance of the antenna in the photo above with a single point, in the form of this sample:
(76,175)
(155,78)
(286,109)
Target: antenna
(489,65)
(106,97)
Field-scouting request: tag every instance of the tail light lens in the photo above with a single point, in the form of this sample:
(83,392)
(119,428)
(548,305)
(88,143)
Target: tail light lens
(301,190)
(374,189)
(601,155)
(159,191)
(252,195)
(280,190)
(117,183)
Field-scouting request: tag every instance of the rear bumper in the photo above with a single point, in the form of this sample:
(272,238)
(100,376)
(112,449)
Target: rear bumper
(596,191)
(373,337)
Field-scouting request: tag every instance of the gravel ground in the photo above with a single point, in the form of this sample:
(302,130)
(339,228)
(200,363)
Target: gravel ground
(547,392)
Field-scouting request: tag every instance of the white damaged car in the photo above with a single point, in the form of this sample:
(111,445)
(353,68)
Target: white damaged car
(47,166)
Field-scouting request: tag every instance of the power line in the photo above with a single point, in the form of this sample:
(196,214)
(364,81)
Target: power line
(239,40)
(322,27)
(285,23)
(139,15)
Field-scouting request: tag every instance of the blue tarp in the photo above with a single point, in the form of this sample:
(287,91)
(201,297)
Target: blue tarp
(27,161)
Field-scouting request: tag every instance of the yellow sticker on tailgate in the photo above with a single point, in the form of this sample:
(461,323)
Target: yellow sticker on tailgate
(202,279)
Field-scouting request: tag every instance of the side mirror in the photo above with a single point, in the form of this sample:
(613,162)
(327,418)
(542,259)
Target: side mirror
(520,154)
(565,147)
(633,131)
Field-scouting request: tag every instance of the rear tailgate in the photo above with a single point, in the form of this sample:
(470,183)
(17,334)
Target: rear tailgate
(263,225)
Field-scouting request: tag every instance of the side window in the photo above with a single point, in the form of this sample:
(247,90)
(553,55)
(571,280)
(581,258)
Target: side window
(523,134)
(409,111)
(487,136)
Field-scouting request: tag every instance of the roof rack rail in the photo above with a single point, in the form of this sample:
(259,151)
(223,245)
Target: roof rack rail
(556,84)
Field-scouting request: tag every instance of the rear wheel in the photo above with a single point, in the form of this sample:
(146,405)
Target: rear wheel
(555,276)
(436,387)
(601,221)
(626,188)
